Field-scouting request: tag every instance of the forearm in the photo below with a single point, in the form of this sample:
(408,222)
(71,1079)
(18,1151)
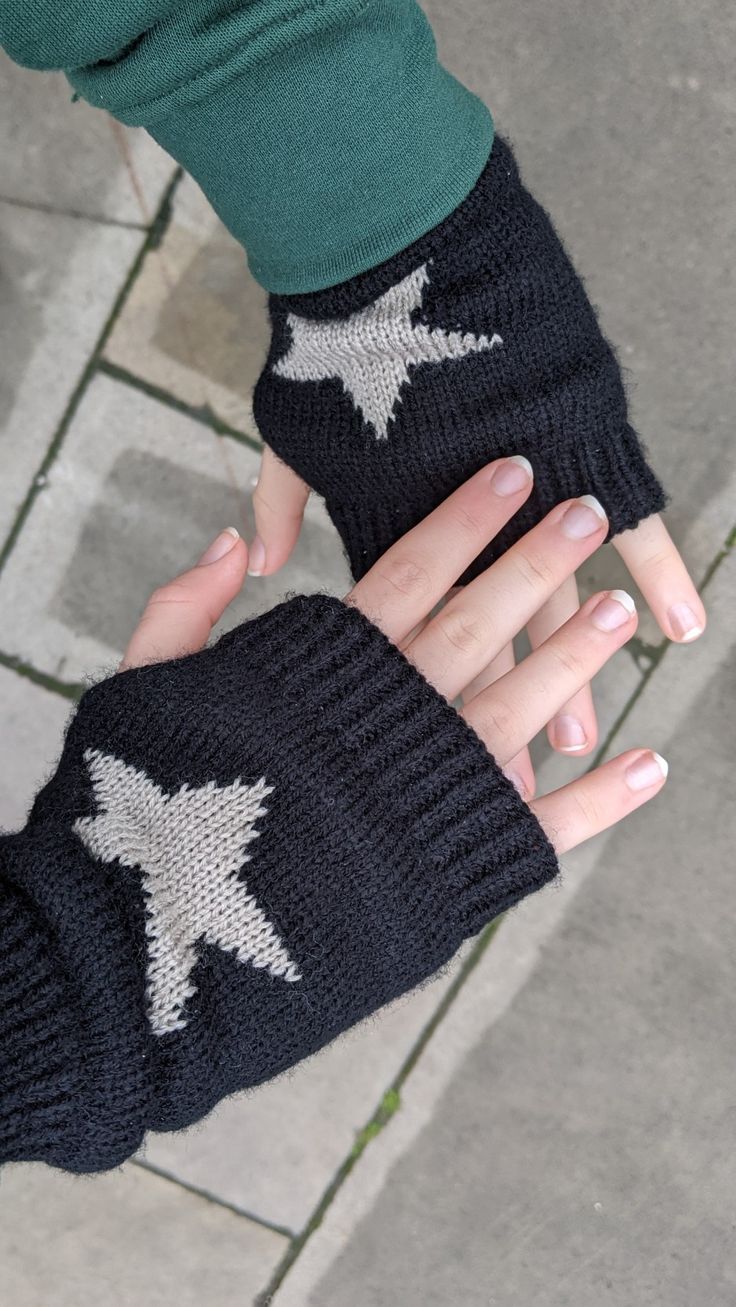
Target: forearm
(216,883)
(326,135)
(74,1083)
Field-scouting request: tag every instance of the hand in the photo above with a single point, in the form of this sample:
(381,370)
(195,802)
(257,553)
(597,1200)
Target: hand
(385,393)
(452,648)
(648,551)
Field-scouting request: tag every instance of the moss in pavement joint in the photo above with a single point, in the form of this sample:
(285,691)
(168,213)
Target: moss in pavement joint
(642,653)
(387,1108)
(390,1103)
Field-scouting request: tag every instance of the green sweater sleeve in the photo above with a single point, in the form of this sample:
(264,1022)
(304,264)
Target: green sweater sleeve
(324,132)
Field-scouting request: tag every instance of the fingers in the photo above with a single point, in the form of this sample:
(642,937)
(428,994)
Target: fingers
(600,798)
(179,616)
(279,500)
(574,728)
(655,564)
(510,713)
(488,613)
(519,769)
(414,574)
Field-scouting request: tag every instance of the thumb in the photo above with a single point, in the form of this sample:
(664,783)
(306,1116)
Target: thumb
(279,501)
(179,617)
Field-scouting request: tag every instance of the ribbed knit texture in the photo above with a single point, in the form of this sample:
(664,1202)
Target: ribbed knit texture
(146,970)
(325,133)
(477,341)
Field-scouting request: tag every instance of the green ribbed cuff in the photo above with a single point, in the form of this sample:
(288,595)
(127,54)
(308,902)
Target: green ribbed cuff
(326,136)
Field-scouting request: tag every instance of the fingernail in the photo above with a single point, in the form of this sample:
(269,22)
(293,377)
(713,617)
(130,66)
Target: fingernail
(583,518)
(568,734)
(513,475)
(648,770)
(220,546)
(613,611)
(256,557)
(684,623)
(517,783)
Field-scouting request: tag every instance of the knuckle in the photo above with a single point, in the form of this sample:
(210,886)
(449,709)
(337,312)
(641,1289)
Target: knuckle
(587,809)
(279,492)
(463,631)
(500,721)
(656,561)
(464,521)
(261,502)
(407,576)
(535,571)
(171,593)
(569,663)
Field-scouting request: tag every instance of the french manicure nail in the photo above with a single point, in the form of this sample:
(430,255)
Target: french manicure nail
(613,611)
(583,518)
(648,770)
(684,623)
(513,475)
(568,734)
(256,557)
(221,545)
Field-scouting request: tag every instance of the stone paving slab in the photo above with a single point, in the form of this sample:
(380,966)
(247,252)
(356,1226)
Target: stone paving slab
(272,1153)
(195,324)
(124,1239)
(73,158)
(61,277)
(135,495)
(568,1135)
(32,722)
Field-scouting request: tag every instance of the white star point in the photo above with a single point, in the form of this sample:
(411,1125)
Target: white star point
(371,351)
(190,847)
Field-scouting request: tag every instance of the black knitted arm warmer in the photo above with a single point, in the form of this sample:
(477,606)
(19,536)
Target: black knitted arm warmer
(242,853)
(387,392)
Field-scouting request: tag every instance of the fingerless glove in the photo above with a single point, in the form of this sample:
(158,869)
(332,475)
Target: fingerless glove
(242,853)
(387,392)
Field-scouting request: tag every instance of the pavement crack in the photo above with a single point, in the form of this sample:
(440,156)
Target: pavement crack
(209,1197)
(67,689)
(387,1108)
(60,211)
(57,439)
(202,413)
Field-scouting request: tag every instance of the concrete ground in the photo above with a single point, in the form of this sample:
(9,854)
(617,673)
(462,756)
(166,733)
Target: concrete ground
(552,1123)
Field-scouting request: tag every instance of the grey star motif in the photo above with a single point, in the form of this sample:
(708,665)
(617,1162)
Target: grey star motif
(371,351)
(190,847)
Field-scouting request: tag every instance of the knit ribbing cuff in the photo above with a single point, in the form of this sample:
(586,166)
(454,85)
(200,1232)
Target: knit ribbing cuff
(413,775)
